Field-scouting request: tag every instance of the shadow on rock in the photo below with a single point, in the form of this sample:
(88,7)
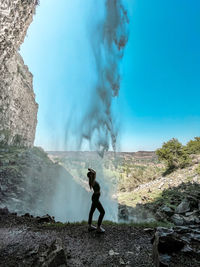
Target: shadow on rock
(178,246)
(179,205)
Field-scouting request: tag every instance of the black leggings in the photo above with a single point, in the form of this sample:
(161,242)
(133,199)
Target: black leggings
(96,204)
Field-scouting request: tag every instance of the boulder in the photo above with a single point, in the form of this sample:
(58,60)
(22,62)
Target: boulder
(160,215)
(167,242)
(163,245)
(177,219)
(180,241)
(148,230)
(51,255)
(54,255)
(122,262)
(191,213)
(167,210)
(45,219)
(183,207)
(180,229)
(192,219)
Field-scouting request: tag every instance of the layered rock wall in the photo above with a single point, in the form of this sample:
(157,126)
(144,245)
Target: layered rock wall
(18,109)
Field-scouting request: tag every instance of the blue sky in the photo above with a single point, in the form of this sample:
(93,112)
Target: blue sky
(159,95)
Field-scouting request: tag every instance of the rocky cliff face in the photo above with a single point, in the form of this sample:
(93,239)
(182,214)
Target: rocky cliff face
(18,109)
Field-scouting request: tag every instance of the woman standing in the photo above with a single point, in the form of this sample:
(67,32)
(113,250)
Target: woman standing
(95,202)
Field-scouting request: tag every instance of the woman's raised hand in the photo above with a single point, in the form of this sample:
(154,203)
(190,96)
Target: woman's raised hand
(91,170)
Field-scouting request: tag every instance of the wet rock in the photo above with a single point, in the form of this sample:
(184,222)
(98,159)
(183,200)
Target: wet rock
(168,243)
(112,252)
(160,215)
(167,210)
(3,188)
(45,255)
(181,229)
(177,219)
(149,230)
(137,248)
(27,215)
(130,252)
(45,219)
(121,261)
(191,213)
(54,255)
(160,257)
(192,219)
(188,218)
(183,207)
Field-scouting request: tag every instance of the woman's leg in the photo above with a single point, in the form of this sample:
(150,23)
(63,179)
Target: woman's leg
(92,209)
(102,212)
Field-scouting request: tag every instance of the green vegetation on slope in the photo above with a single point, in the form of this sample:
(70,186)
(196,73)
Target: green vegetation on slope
(193,146)
(175,155)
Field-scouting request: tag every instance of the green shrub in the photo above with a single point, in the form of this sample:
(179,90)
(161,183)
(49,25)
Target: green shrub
(174,154)
(193,146)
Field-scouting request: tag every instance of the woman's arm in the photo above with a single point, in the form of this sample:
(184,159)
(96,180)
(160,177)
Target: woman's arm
(91,170)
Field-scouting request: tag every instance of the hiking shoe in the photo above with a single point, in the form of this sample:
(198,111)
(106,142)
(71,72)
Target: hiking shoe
(91,228)
(100,230)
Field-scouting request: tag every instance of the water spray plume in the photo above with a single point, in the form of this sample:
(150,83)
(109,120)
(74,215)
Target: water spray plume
(108,40)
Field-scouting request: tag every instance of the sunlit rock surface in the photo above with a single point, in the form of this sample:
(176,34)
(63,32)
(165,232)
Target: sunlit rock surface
(18,109)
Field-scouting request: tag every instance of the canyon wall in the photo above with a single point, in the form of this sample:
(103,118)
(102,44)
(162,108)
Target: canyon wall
(18,108)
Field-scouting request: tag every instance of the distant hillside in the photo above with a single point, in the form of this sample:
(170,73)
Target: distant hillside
(120,168)
(150,155)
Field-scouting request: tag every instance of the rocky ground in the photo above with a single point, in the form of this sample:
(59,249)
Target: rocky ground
(174,197)
(28,241)
(177,246)
(38,241)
